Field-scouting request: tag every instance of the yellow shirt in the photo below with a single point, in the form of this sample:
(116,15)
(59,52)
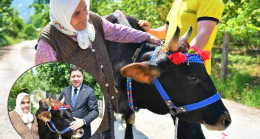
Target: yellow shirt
(186,13)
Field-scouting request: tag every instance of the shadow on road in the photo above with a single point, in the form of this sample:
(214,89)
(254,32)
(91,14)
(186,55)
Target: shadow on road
(3,51)
(120,130)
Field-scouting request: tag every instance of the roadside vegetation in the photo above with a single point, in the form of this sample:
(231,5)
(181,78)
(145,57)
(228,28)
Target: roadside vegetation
(243,77)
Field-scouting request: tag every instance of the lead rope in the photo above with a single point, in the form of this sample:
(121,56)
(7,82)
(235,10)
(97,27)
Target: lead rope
(54,131)
(129,83)
(176,127)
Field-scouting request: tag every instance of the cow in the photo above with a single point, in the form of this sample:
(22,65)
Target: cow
(54,118)
(185,82)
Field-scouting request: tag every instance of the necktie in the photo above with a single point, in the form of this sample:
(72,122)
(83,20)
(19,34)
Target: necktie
(74,97)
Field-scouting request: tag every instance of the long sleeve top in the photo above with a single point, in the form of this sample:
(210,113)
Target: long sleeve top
(112,32)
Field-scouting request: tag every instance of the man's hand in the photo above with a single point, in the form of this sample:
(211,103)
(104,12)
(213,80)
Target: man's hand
(144,25)
(158,32)
(76,124)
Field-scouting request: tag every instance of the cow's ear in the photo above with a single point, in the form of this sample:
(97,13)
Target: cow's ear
(140,72)
(45,116)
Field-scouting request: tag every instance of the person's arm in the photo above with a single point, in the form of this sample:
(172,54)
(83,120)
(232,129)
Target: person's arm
(92,115)
(208,15)
(123,34)
(205,28)
(44,53)
(92,107)
(158,32)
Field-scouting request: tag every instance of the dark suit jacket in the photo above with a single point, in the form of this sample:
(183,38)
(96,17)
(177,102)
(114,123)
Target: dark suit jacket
(86,106)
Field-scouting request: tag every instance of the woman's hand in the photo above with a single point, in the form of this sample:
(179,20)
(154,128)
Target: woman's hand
(154,40)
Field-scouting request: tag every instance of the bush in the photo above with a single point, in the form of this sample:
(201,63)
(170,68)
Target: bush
(3,41)
(30,32)
(242,83)
(7,40)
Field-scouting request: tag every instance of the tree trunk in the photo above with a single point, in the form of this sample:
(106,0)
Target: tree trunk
(224,59)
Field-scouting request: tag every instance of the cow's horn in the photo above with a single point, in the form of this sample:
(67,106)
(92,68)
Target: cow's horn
(62,101)
(187,35)
(50,103)
(173,42)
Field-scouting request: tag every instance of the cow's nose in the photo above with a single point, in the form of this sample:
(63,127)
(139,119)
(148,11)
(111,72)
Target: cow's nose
(226,119)
(222,123)
(74,132)
(78,133)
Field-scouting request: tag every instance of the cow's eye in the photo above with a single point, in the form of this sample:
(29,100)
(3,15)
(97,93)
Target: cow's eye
(191,78)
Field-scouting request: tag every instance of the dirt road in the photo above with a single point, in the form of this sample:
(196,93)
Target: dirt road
(18,58)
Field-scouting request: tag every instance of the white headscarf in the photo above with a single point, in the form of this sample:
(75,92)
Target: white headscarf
(61,12)
(27,118)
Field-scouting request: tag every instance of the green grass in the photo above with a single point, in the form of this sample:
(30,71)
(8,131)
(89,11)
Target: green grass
(6,40)
(243,78)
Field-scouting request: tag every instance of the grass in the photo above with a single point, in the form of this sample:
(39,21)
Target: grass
(242,83)
(6,40)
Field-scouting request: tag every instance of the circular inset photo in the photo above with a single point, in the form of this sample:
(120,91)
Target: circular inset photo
(54,100)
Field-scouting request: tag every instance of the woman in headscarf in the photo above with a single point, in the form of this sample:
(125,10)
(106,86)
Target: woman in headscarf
(77,35)
(22,119)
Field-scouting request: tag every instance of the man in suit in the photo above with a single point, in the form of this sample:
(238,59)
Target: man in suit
(82,101)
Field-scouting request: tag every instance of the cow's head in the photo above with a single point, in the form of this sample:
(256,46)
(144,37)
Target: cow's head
(184,82)
(60,115)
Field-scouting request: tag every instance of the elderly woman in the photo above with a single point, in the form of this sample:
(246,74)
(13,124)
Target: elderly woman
(77,35)
(22,119)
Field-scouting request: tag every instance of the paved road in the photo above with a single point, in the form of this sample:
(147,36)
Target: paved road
(18,58)
(245,124)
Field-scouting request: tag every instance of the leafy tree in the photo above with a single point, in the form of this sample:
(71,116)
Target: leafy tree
(241,20)
(10,23)
(30,32)
(154,11)
(41,14)
(26,83)
(57,76)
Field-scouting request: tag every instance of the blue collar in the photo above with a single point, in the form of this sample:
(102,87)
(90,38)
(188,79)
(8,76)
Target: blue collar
(57,131)
(180,109)
(54,127)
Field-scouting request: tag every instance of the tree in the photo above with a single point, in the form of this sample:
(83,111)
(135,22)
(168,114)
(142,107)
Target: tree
(10,23)
(154,11)
(30,32)
(241,19)
(57,76)
(41,14)
(25,83)
(224,59)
